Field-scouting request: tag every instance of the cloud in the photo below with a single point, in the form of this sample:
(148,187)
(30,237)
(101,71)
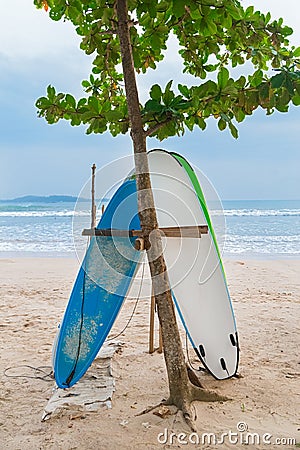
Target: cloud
(28,33)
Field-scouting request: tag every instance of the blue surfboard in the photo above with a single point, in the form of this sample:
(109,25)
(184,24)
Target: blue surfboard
(103,281)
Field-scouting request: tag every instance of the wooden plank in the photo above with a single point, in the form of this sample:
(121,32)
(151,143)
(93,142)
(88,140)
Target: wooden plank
(109,232)
(188,232)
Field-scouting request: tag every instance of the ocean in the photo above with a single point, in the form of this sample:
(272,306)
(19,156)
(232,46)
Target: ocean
(254,229)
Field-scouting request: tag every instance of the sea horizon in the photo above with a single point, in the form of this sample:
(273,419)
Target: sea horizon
(74,197)
(249,229)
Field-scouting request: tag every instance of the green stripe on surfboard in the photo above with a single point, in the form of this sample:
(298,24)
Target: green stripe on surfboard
(195,182)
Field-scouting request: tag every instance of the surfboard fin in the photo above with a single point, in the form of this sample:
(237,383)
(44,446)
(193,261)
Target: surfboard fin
(232,340)
(202,351)
(223,365)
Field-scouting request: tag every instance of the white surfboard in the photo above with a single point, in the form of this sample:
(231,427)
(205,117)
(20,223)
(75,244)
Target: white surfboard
(194,266)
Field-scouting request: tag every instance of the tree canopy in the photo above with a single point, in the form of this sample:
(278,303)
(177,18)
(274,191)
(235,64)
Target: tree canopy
(214,36)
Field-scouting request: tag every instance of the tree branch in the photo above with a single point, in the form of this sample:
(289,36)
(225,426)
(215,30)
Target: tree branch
(157,127)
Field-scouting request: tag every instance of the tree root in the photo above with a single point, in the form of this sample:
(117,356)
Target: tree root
(150,408)
(204,395)
(192,394)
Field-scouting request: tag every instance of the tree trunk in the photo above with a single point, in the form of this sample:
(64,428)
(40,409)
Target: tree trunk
(182,392)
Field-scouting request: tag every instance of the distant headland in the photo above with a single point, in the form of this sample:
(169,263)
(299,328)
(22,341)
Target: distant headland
(45,199)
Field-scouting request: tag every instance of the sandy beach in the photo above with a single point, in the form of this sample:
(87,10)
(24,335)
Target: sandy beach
(265,400)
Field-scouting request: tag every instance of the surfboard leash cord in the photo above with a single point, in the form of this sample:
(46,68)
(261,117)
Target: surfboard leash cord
(40,373)
(199,369)
(133,310)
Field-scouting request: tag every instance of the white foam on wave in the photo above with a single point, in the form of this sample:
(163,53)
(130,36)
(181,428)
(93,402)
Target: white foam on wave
(264,245)
(261,212)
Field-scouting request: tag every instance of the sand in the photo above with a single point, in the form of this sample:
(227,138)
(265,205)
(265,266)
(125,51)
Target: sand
(265,295)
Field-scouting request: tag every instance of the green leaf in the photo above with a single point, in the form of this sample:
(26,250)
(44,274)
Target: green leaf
(168,95)
(81,102)
(195,13)
(268,18)
(223,77)
(162,6)
(249,12)
(296,100)
(190,123)
(278,80)
(94,104)
(264,94)
(106,106)
(75,120)
(233,10)
(113,115)
(211,26)
(282,108)
(289,85)
(184,90)
(152,10)
(287,31)
(256,79)
(169,85)
(200,122)
(59,97)
(56,13)
(153,106)
(240,115)
(230,89)
(222,124)
(178,7)
(71,101)
(155,42)
(227,21)
(284,98)
(156,92)
(51,93)
(225,117)
(233,130)
(42,103)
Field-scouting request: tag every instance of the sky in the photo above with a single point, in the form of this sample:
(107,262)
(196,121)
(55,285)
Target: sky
(41,159)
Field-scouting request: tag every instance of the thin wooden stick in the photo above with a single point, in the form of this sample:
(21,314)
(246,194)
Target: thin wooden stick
(160,347)
(93,218)
(151,330)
